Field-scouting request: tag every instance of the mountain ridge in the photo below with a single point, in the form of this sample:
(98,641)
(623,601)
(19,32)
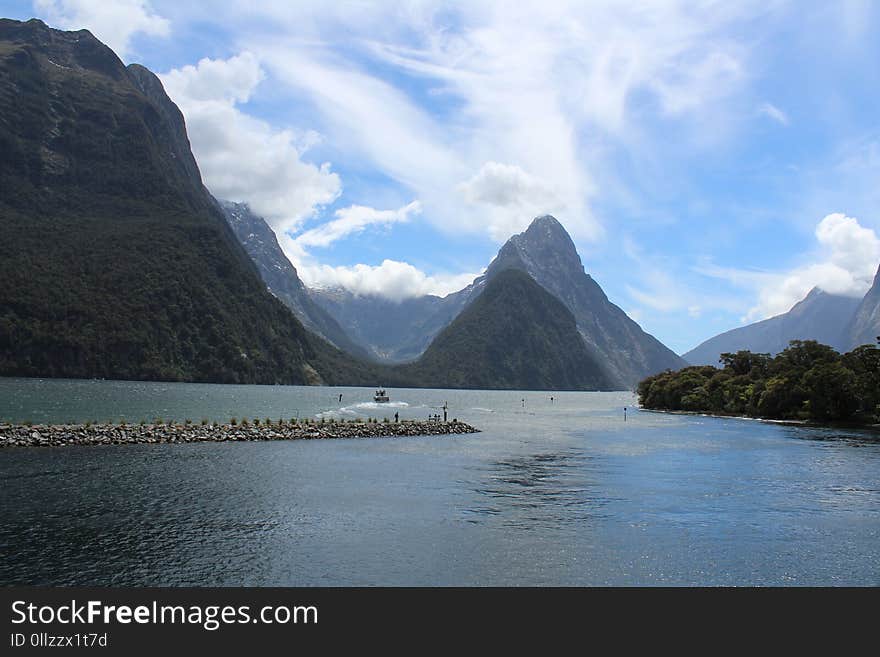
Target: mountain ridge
(546,252)
(819,316)
(281,277)
(119,263)
(865,325)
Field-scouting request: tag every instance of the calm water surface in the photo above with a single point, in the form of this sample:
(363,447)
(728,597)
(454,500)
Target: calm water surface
(550,493)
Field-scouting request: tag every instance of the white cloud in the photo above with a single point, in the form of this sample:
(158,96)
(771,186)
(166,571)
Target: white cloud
(114,22)
(354,219)
(506,185)
(770,110)
(374,124)
(231,80)
(511,197)
(851,246)
(846,262)
(526,102)
(536,86)
(392,279)
(242,158)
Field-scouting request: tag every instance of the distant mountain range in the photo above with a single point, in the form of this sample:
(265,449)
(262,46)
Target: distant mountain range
(118,263)
(391,331)
(839,321)
(820,316)
(401,331)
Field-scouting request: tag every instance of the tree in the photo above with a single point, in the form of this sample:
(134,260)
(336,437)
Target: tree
(864,362)
(807,380)
(745,362)
(803,354)
(830,390)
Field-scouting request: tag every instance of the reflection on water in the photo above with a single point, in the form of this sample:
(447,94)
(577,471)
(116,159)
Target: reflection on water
(561,493)
(856,437)
(537,491)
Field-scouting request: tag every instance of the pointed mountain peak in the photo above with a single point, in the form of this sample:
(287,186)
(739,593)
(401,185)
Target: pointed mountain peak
(544,232)
(546,221)
(544,244)
(816,300)
(545,227)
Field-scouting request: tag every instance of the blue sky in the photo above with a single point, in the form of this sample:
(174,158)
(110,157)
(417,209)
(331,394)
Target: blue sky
(712,161)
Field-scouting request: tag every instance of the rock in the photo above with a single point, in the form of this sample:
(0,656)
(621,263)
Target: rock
(22,436)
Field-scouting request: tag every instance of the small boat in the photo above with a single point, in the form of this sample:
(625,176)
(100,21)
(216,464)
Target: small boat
(380,397)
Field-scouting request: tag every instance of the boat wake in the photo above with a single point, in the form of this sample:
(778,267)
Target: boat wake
(361,409)
(372,405)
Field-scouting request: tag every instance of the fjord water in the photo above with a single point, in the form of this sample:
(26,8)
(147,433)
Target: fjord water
(550,493)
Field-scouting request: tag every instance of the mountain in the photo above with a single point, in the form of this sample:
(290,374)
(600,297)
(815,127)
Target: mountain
(117,262)
(391,331)
(401,331)
(280,276)
(514,335)
(865,325)
(819,316)
(545,251)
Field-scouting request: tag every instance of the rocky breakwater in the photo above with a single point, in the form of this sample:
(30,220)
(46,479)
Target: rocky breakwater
(56,435)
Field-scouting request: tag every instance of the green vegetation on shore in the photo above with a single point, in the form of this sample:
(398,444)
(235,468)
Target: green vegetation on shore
(806,381)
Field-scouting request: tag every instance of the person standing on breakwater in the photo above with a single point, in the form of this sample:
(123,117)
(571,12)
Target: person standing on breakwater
(396,417)
(445,407)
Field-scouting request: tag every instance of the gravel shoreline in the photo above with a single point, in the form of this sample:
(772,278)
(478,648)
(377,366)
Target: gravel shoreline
(56,435)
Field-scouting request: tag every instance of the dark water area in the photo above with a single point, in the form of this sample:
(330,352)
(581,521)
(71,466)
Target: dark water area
(560,492)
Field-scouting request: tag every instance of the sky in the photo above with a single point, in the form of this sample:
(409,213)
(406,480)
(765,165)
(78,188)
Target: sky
(712,161)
